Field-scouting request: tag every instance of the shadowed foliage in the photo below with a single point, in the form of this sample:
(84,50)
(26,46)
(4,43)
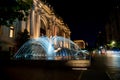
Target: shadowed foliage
(14,9)
(22,38)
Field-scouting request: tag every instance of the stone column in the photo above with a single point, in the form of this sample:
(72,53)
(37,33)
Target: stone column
(69,40)
(64,40)
(32,23)
(38,26)
(55,30)
(53,27)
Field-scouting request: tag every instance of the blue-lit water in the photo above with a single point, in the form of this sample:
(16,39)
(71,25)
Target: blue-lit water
(45,48)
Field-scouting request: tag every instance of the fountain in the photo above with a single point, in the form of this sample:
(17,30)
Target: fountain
(44,48)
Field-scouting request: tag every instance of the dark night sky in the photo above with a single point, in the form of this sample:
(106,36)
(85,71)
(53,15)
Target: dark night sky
(85,18)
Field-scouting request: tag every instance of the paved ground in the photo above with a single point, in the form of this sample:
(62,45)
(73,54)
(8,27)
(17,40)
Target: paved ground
(49,71)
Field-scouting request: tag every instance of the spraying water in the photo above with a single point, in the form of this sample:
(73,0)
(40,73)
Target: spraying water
(44,48)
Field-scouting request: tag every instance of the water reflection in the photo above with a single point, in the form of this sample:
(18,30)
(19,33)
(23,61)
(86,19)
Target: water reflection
(113,62)
(113,67)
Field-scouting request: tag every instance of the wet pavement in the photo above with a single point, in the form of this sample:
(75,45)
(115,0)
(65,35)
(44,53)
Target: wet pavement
(109,64)
(102,68)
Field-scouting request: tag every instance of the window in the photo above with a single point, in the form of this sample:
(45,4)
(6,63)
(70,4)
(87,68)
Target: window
(11,35)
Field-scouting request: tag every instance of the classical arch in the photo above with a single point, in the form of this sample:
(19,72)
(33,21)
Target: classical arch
(44,22)
(42,29)
(43,18)
(43,26)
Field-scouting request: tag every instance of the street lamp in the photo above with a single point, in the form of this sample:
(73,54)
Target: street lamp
(113,43)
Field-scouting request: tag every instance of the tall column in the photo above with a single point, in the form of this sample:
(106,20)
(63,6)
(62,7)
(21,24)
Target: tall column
(32,23)
(35,25)
(64,40)
(38,26)
(55,30)
(28,24)
(49,27)
(69,41)
(53,27)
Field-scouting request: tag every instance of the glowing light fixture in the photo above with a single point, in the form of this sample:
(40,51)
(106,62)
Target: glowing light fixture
(113,42)
(11,32)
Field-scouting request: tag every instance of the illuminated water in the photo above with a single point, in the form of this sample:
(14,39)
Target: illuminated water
(54,48)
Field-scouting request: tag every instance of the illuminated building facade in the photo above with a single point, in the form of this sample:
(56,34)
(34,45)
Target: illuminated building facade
(41,21)
(80,43)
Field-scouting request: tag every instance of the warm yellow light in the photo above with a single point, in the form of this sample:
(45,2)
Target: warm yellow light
(113,42)
(11,32)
